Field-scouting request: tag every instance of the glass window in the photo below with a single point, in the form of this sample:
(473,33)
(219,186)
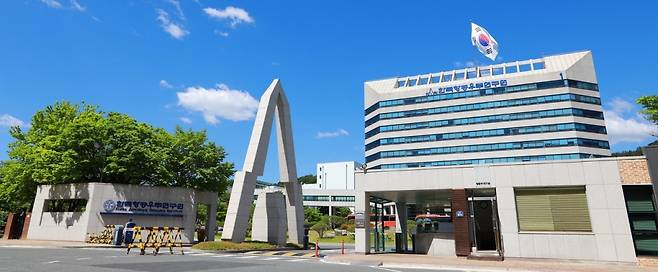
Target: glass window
(446,77)
(400,83)
(471,74)
(497,71)
(538,65)
(423,81)
(459,75)
(556,209)
(435,79)
(412,82)
(510,69)
(524,67)
(485,72)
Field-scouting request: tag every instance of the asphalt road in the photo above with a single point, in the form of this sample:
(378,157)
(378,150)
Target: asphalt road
(83,260)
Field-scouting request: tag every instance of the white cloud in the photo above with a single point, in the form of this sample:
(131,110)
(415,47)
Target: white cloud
(221,33)
(332,134)
(234,15)
(185,120)
(165,84)
(95,19)
(7,120)
(624,125)
(52,3)
(175,30)
(76,6)
(219,102)
(179,10)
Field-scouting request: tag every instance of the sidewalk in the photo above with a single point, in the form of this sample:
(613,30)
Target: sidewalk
(447,263)
(51,244)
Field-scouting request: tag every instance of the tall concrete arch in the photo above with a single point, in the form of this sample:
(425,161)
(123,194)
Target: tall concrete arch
(272,104)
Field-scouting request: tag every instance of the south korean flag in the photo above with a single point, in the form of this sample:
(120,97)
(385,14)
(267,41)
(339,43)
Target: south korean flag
(484,42)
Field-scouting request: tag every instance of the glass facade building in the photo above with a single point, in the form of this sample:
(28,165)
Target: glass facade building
(532,110)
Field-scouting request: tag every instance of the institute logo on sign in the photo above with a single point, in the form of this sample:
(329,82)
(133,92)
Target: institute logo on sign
(484,42)
(109,205)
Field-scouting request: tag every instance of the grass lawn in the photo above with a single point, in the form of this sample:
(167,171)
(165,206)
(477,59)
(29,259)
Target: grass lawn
(226,245)
(313,236)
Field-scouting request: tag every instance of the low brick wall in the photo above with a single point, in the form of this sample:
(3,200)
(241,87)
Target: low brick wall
(634,171)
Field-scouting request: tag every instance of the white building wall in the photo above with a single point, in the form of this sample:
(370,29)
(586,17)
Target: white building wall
(336,175)
(610,239)
(68,226)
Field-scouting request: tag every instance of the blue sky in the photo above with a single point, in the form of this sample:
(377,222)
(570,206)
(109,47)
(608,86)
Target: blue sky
(203,64)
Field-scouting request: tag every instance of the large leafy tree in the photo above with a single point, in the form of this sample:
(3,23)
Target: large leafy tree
(650,107)
(307,179)
(69,143)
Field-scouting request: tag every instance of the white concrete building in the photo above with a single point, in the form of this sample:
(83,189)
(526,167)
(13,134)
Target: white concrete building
(336,175)
(334,186)
(506,160)
(68,212)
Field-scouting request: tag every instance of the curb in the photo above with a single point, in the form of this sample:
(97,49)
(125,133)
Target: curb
(450,268)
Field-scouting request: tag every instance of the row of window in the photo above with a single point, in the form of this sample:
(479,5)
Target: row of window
(470,73)
(485,92)
(489,147)
(326,198)
(488,133)
(487,105)
(486,161)
(488,119)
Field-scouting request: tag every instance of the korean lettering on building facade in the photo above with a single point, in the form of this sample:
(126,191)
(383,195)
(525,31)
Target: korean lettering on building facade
(143,207)
(467,87)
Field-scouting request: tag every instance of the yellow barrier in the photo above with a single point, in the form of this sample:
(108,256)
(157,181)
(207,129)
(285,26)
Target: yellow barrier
(156,238)
(105,237)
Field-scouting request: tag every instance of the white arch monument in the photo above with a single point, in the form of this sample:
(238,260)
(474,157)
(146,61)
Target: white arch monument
(272,103)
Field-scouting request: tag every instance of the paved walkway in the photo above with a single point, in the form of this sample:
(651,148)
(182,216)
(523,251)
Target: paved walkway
(52,244)
(458,263)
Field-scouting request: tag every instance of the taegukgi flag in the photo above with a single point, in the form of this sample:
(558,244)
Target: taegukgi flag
(484,42)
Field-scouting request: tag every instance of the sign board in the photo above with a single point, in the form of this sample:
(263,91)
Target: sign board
(467,87)
(459,213)
(359,220)
(148,208)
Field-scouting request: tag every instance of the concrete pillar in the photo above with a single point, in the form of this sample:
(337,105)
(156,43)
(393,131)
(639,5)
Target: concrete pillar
(8,225)
(239,207)
(401,216)
(294,212)
(269,218)
(362,233)
(26,226)
(211,225)
(330,210)
(460,214)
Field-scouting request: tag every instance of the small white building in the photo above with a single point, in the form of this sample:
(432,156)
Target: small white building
(334,187)
(68,212)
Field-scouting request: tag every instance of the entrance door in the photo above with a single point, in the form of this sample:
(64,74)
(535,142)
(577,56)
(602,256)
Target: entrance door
(484,224)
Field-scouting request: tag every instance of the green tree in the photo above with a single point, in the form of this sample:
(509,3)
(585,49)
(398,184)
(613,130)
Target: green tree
(307,179)
(69,143)
(335,220)
(312,215)
(321,226)
(343,211)
(650,107)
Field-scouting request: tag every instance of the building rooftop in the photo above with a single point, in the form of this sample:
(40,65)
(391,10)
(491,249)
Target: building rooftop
(554,62)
